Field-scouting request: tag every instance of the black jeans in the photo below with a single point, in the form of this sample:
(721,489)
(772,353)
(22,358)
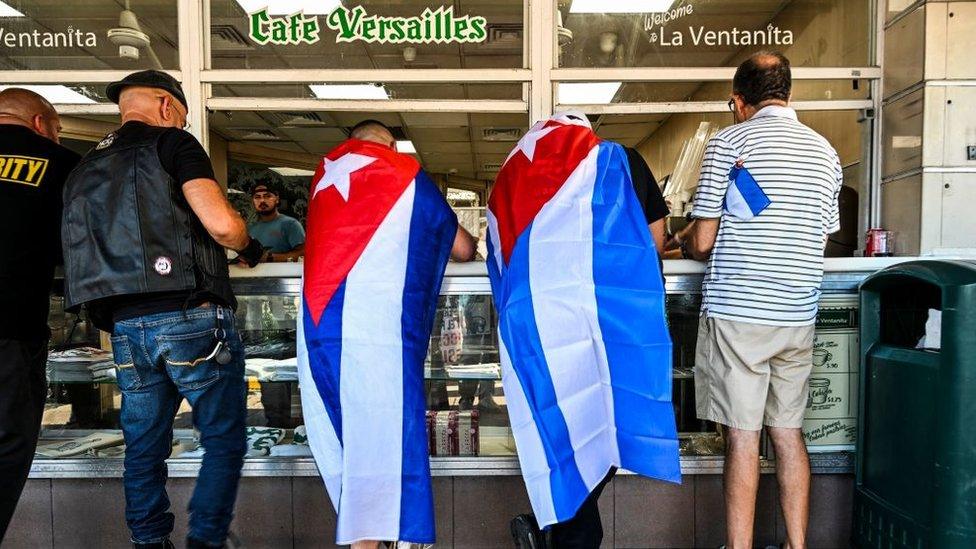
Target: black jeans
(585,529)
(23,388)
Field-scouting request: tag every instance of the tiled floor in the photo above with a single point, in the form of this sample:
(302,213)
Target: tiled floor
(472,513)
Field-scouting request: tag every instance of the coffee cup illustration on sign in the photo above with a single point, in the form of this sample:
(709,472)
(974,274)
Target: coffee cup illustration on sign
(819,390)
(821,356)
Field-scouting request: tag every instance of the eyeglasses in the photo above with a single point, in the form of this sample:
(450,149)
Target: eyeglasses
(731,104)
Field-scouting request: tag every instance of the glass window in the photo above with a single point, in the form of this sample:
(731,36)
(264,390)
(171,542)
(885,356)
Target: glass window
(366,34)
(697,33)
(91,35)
(673,144)
(460,148)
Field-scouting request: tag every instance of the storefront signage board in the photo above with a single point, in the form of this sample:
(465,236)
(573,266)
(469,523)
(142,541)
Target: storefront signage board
(440,26)
(665,29)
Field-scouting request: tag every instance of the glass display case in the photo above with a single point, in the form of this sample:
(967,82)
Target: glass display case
(467,420)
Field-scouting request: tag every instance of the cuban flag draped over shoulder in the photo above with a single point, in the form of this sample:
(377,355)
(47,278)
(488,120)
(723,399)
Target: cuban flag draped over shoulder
(379,237)
(744,198)
(586,354)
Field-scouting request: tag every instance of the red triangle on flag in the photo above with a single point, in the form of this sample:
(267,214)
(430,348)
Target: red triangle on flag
(339,229)
(523,187)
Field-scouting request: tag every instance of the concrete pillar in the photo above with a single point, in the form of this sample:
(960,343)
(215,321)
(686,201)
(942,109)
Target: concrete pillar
(929,127)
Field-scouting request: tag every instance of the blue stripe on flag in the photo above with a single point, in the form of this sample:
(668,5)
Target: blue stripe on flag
(432,229)
(324,343)
(631,313)
(518,327)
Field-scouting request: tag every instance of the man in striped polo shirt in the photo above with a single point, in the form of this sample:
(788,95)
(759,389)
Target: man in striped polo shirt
(766,201)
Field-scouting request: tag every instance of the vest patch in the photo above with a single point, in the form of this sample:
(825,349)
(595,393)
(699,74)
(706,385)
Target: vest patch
(26,170)
(106,142)
(163,265)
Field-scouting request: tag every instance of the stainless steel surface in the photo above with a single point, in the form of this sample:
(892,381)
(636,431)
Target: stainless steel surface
(828,463)
(477,283)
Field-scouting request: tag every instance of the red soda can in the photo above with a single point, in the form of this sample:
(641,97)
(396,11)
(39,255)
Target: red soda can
(878,243)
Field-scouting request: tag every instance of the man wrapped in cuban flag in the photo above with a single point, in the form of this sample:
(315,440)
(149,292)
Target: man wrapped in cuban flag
(585,350)
(379,237)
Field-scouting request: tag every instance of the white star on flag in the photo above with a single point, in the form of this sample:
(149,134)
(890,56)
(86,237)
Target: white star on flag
(528,142)
(337,173)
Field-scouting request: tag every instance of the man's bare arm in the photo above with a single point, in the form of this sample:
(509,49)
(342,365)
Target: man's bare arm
(699,238)
(464,246)
(219,218)
(657,233)
(702,237)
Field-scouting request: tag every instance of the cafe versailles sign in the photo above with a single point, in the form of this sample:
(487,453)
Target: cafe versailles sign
(438,26)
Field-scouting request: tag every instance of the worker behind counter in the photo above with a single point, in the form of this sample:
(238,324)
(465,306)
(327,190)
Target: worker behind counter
(282,235)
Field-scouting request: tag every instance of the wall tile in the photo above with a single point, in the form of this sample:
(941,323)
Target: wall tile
(315,519)
(651,513)
(31,525)
(483,507)
(710,521)
(89,513)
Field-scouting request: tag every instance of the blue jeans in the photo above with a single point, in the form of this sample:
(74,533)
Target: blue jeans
(162,359)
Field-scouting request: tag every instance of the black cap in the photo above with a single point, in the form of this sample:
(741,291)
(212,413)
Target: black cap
(149,79)
(265,187)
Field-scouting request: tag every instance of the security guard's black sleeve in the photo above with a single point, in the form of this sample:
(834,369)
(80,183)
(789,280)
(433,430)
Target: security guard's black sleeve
(646,187)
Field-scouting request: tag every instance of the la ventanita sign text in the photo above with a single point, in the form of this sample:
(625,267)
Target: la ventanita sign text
(438,26)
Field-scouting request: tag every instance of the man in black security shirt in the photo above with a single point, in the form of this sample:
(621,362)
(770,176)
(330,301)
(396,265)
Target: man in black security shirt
(33,167)
(145,231)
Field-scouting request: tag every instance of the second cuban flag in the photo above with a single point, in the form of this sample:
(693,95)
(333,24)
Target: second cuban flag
(585,350)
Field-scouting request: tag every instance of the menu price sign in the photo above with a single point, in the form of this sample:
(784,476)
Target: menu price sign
(830,422)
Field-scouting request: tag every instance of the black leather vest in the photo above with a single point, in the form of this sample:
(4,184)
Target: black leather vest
(127,231)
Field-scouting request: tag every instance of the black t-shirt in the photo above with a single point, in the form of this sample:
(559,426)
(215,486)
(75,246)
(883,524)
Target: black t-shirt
(648,192)
(184,159)
(32,174)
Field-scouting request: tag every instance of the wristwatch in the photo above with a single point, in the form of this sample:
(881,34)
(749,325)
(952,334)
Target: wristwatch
(683,245)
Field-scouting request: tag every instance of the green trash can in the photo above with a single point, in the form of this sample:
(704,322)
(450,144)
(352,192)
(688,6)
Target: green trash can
(916,448)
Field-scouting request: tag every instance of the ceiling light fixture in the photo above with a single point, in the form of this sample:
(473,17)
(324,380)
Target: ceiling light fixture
(587,93)
(56,94)
(7,11)
(292,172)
(349,91)
(619,6)
(288,7)
(406,147)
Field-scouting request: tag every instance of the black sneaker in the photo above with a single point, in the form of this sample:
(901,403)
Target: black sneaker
(525,532)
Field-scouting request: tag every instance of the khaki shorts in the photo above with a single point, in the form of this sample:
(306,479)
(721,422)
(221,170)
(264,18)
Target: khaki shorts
(748,375)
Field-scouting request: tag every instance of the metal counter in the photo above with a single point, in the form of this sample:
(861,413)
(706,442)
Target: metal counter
(682,277)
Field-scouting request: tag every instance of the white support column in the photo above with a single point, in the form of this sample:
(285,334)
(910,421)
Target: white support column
(541,57)
(877,95)
(190,18)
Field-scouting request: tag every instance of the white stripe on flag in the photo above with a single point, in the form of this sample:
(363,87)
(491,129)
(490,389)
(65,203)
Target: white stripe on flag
(531,455)
(564,299)
(496,241)
(736,204)
(371,381)
(322,437)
